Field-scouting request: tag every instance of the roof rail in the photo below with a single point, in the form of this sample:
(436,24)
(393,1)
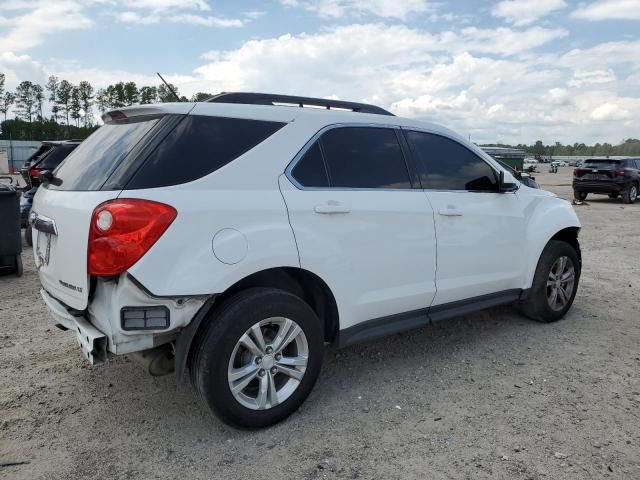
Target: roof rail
(274,99)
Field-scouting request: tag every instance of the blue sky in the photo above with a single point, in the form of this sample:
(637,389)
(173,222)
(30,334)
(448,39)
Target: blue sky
(510,71)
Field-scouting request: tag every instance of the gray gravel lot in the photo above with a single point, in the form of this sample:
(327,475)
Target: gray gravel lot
(489,395)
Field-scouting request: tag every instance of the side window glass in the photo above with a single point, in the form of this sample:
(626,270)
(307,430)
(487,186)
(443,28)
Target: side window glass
(447,165)
(365,157)
(310,170)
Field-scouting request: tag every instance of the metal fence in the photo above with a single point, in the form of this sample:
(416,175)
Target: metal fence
(13,153)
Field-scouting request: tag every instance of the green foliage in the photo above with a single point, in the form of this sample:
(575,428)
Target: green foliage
(42,130)
(629,147)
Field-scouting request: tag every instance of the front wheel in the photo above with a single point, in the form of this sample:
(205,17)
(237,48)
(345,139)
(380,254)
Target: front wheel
(631,194)
(258,358)
(555,283)
(579,195)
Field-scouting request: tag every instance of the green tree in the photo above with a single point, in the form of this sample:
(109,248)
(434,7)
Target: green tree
(64,97)
(148,95)
(26,99)
(52,86)
(130,92)
(39,100)
(201,97)
(75,105)
(5,103)
(102,100)
(538,149)
(165,95)
(86,98)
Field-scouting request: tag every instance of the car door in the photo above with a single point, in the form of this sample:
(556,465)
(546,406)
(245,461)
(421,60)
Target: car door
(480,231)
(360,224)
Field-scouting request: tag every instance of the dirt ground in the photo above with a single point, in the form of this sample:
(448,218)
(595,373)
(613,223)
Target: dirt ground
(490,395)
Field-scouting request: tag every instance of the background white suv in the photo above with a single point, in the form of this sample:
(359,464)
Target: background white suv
(233,238)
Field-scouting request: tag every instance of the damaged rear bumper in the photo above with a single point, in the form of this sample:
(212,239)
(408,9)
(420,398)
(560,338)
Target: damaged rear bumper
(91,340)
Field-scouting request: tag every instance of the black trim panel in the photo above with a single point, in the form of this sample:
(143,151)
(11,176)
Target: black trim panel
(381,327)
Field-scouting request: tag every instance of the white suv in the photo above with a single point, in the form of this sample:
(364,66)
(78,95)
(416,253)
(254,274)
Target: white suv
(233,238)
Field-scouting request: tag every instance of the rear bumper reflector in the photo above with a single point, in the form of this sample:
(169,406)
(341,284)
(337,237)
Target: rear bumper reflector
(144,318)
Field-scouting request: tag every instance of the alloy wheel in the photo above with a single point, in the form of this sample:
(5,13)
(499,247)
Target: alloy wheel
(560,283)
(268,362)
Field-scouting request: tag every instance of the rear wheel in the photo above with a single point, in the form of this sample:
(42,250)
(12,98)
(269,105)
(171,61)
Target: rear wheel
(258,358)
(18,265)
(631,194)
(28,237)
(579,195)
(555,283)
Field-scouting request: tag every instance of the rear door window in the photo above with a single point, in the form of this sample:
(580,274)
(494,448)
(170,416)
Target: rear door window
(310,170)
(448,165)
(200,145)
(365,157)
(89,166)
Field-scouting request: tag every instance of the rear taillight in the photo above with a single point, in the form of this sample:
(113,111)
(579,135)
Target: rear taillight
(575,172)
(122,231)
(34,172)
(620,172)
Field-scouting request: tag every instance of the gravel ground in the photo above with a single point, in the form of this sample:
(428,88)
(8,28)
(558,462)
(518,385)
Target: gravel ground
(490,395)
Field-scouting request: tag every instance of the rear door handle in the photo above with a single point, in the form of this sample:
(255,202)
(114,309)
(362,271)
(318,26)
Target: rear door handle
(450,212)
(331,207)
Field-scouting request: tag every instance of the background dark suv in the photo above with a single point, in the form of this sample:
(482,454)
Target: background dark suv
(48,157)
(608,176)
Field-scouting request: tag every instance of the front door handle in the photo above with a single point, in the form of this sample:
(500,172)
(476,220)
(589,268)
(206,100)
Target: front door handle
(331,207)
(450,212)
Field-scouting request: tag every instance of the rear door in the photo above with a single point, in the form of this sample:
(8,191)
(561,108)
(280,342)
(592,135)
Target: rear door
(62,213)
(479,230)
(360,224)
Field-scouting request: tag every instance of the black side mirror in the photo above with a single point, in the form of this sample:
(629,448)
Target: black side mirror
(505,187)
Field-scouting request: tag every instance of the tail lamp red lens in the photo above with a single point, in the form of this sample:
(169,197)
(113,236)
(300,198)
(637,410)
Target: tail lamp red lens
(620,172)
(35,172)
(122,231)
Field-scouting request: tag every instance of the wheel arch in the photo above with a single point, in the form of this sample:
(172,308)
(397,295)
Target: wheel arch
(302,283)
(558,222)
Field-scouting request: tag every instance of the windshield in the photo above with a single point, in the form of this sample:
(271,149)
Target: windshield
(89,166)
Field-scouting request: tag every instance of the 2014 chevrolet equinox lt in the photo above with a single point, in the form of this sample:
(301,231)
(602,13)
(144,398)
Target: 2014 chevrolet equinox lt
(234,238)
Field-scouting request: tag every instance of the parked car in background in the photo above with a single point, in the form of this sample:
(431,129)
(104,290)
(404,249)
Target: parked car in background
(608,176)
(47,158)
(233,238)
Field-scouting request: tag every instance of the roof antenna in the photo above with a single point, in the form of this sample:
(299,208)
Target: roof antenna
(169,87)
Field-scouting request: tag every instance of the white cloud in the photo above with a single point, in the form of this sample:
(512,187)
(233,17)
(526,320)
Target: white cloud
(401,10)
(29,29)
(204,21)
(586,77)
(525,12)
(609,10)
(158,5)
(610,111)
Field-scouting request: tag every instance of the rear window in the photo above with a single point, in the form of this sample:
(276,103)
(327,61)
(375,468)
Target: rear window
(603,163)
(200,145)
(89,166)
(54,157)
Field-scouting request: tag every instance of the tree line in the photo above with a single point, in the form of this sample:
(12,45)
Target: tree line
(71,108)
(629,147)
(61,109)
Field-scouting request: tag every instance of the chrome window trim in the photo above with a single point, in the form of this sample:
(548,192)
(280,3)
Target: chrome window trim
(317,135)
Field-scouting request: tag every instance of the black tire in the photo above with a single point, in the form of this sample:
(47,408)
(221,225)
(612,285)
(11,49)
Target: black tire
(579,195)
(28,237)
(613,195)
(631,194)
(537,307)
(215,344)
(18,265)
